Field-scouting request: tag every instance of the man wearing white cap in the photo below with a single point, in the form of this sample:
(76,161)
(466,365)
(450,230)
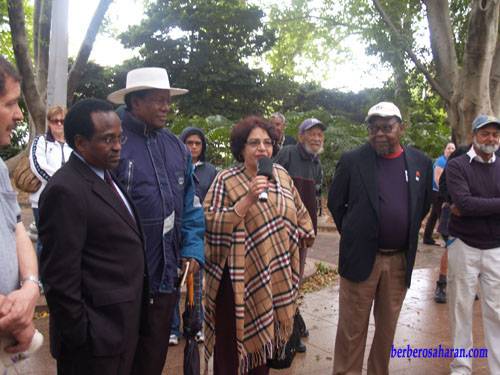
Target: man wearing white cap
(156,170)
(473,182)
(380,193)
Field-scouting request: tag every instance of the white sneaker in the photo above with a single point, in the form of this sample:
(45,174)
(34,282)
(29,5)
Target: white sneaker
(200,337)
(173,340)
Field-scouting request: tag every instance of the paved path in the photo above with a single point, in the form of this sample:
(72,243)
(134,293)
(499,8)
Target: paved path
(422,324)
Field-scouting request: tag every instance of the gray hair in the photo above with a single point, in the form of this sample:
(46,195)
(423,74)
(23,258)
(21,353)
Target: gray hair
(280,116)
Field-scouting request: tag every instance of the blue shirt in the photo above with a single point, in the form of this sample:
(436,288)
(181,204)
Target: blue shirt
(440,162)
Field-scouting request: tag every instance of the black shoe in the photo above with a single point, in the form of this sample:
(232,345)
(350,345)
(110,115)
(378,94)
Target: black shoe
(430,241)
(303,331)
(300,348)
(440,293)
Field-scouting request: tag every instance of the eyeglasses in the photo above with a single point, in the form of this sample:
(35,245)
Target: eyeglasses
(254,143)
(386,128)
(193,143)
(111,139)
(57,121)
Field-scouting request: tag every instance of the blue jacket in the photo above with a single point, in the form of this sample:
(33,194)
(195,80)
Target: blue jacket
(155,168)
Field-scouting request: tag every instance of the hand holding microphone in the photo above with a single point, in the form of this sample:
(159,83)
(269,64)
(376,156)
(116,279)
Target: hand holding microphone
(264,168)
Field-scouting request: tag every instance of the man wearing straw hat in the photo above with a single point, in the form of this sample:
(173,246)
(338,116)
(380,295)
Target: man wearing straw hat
(155,168)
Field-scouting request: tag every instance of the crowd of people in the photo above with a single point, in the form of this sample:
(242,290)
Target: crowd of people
(126,210)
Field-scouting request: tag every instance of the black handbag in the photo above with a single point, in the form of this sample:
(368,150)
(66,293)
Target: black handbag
(284,360)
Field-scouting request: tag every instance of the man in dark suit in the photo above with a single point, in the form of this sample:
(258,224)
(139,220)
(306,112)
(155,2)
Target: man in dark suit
(92,263)
(380,193)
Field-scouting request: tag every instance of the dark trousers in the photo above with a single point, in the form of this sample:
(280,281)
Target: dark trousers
(437,202)
(81,361)
(152,349)
(36,216)
(225,350)
(302,260)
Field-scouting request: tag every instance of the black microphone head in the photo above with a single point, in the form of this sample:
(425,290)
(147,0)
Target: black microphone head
(265,167)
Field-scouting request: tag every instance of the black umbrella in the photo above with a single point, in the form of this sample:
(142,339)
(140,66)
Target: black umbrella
(192,324)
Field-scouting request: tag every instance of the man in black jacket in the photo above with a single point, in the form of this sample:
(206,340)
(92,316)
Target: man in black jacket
(92,264)
(379,195)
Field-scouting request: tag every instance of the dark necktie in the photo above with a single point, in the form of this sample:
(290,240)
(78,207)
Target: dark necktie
(109,181)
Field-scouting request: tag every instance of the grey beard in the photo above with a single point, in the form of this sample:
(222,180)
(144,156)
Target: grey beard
(311,151)
(487,149)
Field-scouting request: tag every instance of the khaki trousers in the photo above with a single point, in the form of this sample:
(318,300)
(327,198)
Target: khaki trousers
(469,266)
(385,289)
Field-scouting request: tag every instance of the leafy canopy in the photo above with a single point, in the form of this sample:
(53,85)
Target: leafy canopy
(205,46)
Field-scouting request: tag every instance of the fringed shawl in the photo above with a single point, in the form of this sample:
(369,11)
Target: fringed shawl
(262,255)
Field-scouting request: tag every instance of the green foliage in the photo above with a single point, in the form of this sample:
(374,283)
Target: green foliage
(18,142)
(428,132)
(5,37)
(96,82)
(205,45)
(6,49)
(312,96)
(460,21)
(324,269)
(308,38)
(428,129)
(217,130)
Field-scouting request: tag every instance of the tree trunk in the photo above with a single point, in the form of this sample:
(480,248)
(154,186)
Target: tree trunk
(78,67)
(473,91)
(473,88)
(495,82)
(442,46)
(31,95)
(41,46)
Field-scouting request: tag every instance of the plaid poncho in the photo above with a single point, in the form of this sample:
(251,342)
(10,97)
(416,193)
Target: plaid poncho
(261,253)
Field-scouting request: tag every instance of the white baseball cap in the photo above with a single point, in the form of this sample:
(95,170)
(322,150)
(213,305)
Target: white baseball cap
(384,109)
(145,79)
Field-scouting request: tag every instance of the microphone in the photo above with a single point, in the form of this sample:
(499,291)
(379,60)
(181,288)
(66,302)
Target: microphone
(264,168)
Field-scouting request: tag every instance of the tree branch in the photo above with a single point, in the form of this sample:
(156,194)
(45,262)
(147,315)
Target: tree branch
(36,31)
(495,81)
(397,35)
(20,44)
(76,71)
(442,44)
(42,44)
(479,53)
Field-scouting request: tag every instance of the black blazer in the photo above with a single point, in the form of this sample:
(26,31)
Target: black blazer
(354,203)
(92,264)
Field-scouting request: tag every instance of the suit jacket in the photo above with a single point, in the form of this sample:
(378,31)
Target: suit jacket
(92,264)
(353,201)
